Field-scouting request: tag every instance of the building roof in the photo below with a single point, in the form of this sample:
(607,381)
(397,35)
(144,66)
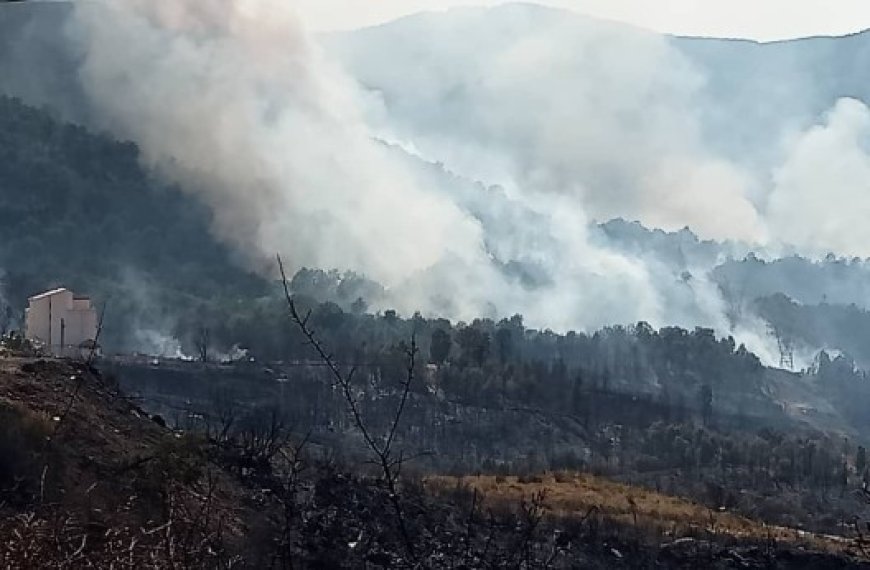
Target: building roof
(51,293)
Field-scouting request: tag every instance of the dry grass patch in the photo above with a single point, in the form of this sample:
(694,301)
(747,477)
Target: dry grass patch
(578,494)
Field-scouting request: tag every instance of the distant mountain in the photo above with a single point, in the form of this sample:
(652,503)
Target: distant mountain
(749,90)
(751,87)
(749,97)
(756,88)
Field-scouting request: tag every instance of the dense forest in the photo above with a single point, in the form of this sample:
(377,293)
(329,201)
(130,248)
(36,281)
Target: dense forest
(172,289)
(167,278)
(679,411)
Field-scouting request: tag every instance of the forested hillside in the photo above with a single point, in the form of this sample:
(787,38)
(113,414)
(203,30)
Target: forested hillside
(77,209)
(745,90)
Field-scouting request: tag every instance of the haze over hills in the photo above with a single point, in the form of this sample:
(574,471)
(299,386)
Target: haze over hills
(521,243)
(714,134)
(750,87)
(612,102)
(79,210)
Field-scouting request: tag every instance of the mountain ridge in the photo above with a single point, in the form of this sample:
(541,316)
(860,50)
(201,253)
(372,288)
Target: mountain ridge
(581,15)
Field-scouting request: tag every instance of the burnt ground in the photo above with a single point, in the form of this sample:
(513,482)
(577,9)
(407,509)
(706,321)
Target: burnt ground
(88,479)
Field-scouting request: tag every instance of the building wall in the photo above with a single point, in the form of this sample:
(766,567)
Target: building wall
(60,321)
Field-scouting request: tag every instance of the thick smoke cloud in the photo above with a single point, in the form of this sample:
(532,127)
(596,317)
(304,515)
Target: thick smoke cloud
(536,99)
(232,99)
(734,140)
(821,196)
(238,104)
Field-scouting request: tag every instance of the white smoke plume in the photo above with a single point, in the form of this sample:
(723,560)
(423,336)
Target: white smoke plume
(821,196)
(537,99)
(233,100)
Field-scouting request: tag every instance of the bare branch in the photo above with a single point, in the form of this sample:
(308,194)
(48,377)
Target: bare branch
(390,466)
(99,332)
(406,390)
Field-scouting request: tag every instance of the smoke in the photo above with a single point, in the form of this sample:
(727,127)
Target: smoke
(137,319)
(721,137)
(822,191)
(238,104)
(232,100)
(9,321)
(535,99)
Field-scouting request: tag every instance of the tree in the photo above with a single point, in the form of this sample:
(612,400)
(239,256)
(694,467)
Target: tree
(439,348)
(504,343)
(861,459)
(383,448)
(705,397)
(359,306)
(202,344)
(844,478)
(6,319)
(475,345)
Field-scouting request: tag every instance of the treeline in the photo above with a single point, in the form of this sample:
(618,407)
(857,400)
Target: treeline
(486,360)
(834,280)
(843,327)
(681,411)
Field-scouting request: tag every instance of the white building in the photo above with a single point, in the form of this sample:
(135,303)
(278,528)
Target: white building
(66,324)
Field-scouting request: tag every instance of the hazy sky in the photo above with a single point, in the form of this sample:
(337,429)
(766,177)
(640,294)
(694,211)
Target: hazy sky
(757,19)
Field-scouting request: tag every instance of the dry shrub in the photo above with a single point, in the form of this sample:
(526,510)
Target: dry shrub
(51,538)
(529,479)
(563,477)
(24,442)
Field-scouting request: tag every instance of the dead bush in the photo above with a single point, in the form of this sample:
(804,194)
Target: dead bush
(23,446)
